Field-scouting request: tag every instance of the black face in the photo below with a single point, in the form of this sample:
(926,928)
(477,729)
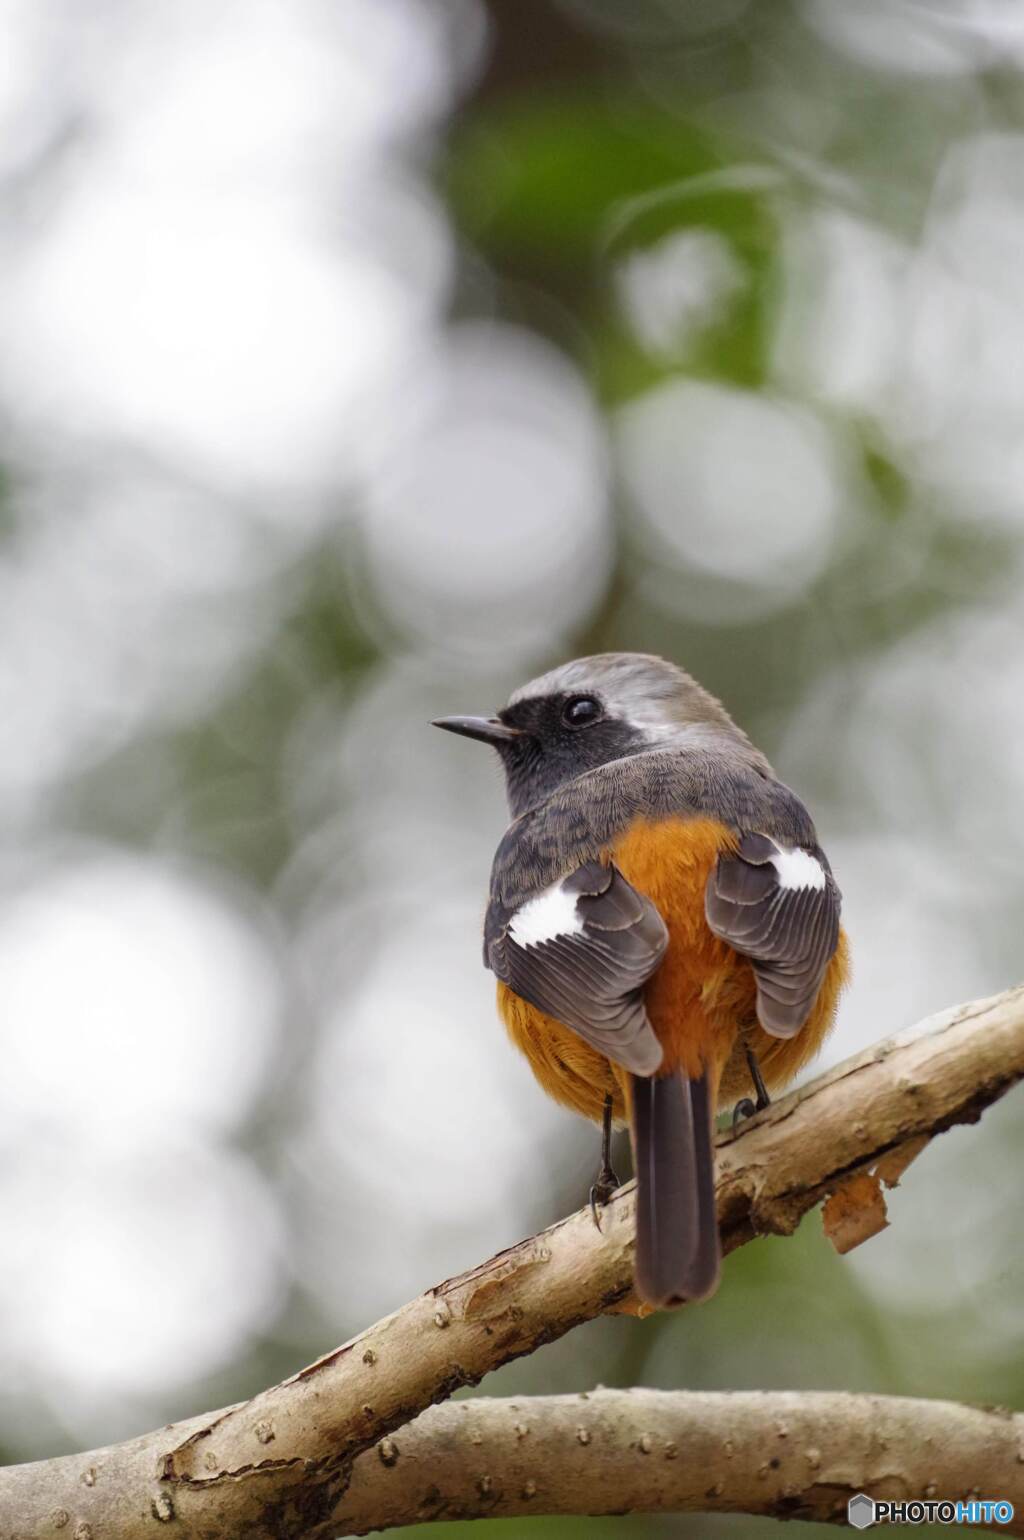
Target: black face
(561,736)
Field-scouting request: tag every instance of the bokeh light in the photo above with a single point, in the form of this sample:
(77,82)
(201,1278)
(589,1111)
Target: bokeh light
(486,523)
(133,1001)
(759,478)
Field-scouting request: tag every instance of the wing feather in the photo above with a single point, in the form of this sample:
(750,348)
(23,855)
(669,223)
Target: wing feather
(589,973)
(779,907)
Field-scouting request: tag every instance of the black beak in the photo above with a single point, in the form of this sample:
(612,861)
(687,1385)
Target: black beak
(487,729)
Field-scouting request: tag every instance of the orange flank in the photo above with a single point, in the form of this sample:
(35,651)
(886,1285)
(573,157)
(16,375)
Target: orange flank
(701,1001)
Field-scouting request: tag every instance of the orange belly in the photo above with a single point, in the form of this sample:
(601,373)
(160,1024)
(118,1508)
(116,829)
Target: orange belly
(701,1001)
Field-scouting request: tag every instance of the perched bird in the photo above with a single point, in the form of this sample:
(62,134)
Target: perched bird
(664,927)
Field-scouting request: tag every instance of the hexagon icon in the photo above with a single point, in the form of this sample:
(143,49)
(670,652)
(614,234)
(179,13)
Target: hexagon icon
(860,1511)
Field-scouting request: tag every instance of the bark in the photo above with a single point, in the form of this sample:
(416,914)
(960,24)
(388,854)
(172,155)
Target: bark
(782,1454)
(279,1465)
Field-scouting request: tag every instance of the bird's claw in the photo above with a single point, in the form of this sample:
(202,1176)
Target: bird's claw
(601,1192)
(747,1108)
(744,1108)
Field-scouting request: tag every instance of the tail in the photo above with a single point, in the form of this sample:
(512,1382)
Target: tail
(678,1254)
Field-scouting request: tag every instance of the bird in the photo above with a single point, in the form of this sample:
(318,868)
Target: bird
(664,928)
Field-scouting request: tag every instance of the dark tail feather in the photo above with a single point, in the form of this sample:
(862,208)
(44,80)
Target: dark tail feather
(677,1248)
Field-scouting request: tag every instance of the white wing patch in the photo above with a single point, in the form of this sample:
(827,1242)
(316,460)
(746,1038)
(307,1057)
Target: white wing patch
(552,913)
(797,868)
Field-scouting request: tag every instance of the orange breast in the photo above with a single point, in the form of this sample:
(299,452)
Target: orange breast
(701,998)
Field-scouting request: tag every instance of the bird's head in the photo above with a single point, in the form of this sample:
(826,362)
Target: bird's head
(590,712)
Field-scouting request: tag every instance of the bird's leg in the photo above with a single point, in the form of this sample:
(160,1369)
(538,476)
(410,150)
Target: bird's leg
(746,1108)
(607,1181)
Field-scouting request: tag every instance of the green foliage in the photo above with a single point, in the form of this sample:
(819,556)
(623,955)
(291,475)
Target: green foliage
(538,180)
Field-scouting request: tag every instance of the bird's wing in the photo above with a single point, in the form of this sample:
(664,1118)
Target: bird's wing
(779,906)
(581,950)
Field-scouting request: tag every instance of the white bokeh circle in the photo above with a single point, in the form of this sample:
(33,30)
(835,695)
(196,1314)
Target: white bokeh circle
(487,522)
(135,1276)
(738,485)
(134,1002)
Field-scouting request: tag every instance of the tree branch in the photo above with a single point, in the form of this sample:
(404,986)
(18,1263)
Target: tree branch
(279,1465)
(783,1454)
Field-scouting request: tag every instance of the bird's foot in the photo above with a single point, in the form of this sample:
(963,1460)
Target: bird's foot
(744,1108)
(607,1181)
(601,1192)
(747,1108)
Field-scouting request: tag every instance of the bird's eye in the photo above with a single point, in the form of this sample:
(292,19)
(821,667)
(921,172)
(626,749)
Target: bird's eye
(581,711)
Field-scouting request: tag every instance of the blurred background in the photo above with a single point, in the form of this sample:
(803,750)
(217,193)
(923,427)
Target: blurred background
(357,362)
